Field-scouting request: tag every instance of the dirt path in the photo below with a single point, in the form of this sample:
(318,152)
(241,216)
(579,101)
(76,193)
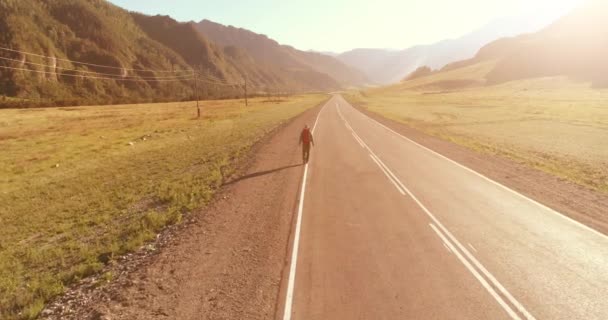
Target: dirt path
(227,263)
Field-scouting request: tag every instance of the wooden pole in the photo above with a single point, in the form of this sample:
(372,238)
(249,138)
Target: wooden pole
(246,102)
(198,108)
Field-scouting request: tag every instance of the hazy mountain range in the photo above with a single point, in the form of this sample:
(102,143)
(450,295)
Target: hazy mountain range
(575,46)
(49,38)
(388,66)
(271,54)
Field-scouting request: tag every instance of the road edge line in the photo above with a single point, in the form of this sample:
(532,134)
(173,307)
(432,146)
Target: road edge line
(287,307)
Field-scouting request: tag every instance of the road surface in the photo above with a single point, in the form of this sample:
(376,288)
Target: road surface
(387,229)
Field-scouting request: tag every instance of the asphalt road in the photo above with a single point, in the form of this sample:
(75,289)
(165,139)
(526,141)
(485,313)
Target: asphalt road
(388,229)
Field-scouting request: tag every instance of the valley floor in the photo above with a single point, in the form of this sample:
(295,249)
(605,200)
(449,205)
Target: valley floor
(552,124)
(227,263)
(82,186)
(232,260)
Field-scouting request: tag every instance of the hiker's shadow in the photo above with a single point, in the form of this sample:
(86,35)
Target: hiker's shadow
(260,173)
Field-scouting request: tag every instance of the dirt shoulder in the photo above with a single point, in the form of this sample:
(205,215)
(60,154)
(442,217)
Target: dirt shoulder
(225,263)
(576,201)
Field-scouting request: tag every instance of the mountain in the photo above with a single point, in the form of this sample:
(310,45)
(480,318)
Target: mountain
(271,54)
(387,66)
(575,46)
(93,32)
(227,63)
(93,52)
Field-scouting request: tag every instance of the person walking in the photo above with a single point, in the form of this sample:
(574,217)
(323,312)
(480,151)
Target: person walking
(306,140)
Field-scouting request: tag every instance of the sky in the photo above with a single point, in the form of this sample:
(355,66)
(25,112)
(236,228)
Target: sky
(341,25)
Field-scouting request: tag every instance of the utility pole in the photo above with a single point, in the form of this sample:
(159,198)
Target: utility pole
(246,103)
(198,108)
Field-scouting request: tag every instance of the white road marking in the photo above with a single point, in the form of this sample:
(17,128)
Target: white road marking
(479,278)
(296,240)
(349,127)
(358,140)
(478,264)
(584,226)
(470,245)
(446,247)
(384,166)
(387,175)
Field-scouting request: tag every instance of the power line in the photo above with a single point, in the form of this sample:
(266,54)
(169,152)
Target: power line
(98,78)
(219,83)
(85,74)
(85,63)
(216,81)
(97,73)
(212,78)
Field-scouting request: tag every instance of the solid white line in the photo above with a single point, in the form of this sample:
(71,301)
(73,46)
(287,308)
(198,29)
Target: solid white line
(584,226)
(502,289)
(479,278)
(296,239)
(387,175)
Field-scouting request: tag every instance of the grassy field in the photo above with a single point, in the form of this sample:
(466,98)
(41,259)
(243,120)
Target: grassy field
(553,124)
(81,185)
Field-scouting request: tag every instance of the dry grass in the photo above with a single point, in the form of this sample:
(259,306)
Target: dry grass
(553,124)
(81,184)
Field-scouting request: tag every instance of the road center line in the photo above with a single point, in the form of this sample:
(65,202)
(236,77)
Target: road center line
(476,274)
(387,175)
(478,264)
(296,239)
(358,140)
(446,247)
(584,226)
(470,245)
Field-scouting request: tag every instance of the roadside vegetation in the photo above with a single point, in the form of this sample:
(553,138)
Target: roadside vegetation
(80,186)
(553,124)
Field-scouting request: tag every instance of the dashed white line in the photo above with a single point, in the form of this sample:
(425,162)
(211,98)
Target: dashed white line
(476,274)
(473,248)
(584,226)
(477,264)
(358,140)
(387,175)
(446,247)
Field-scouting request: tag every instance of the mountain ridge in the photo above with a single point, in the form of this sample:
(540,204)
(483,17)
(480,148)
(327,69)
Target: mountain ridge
(385,66)
(266,50)
(568,47)
(94,52)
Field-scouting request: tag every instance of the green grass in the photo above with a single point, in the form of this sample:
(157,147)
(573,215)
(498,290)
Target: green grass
(552,124)
(81,185)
